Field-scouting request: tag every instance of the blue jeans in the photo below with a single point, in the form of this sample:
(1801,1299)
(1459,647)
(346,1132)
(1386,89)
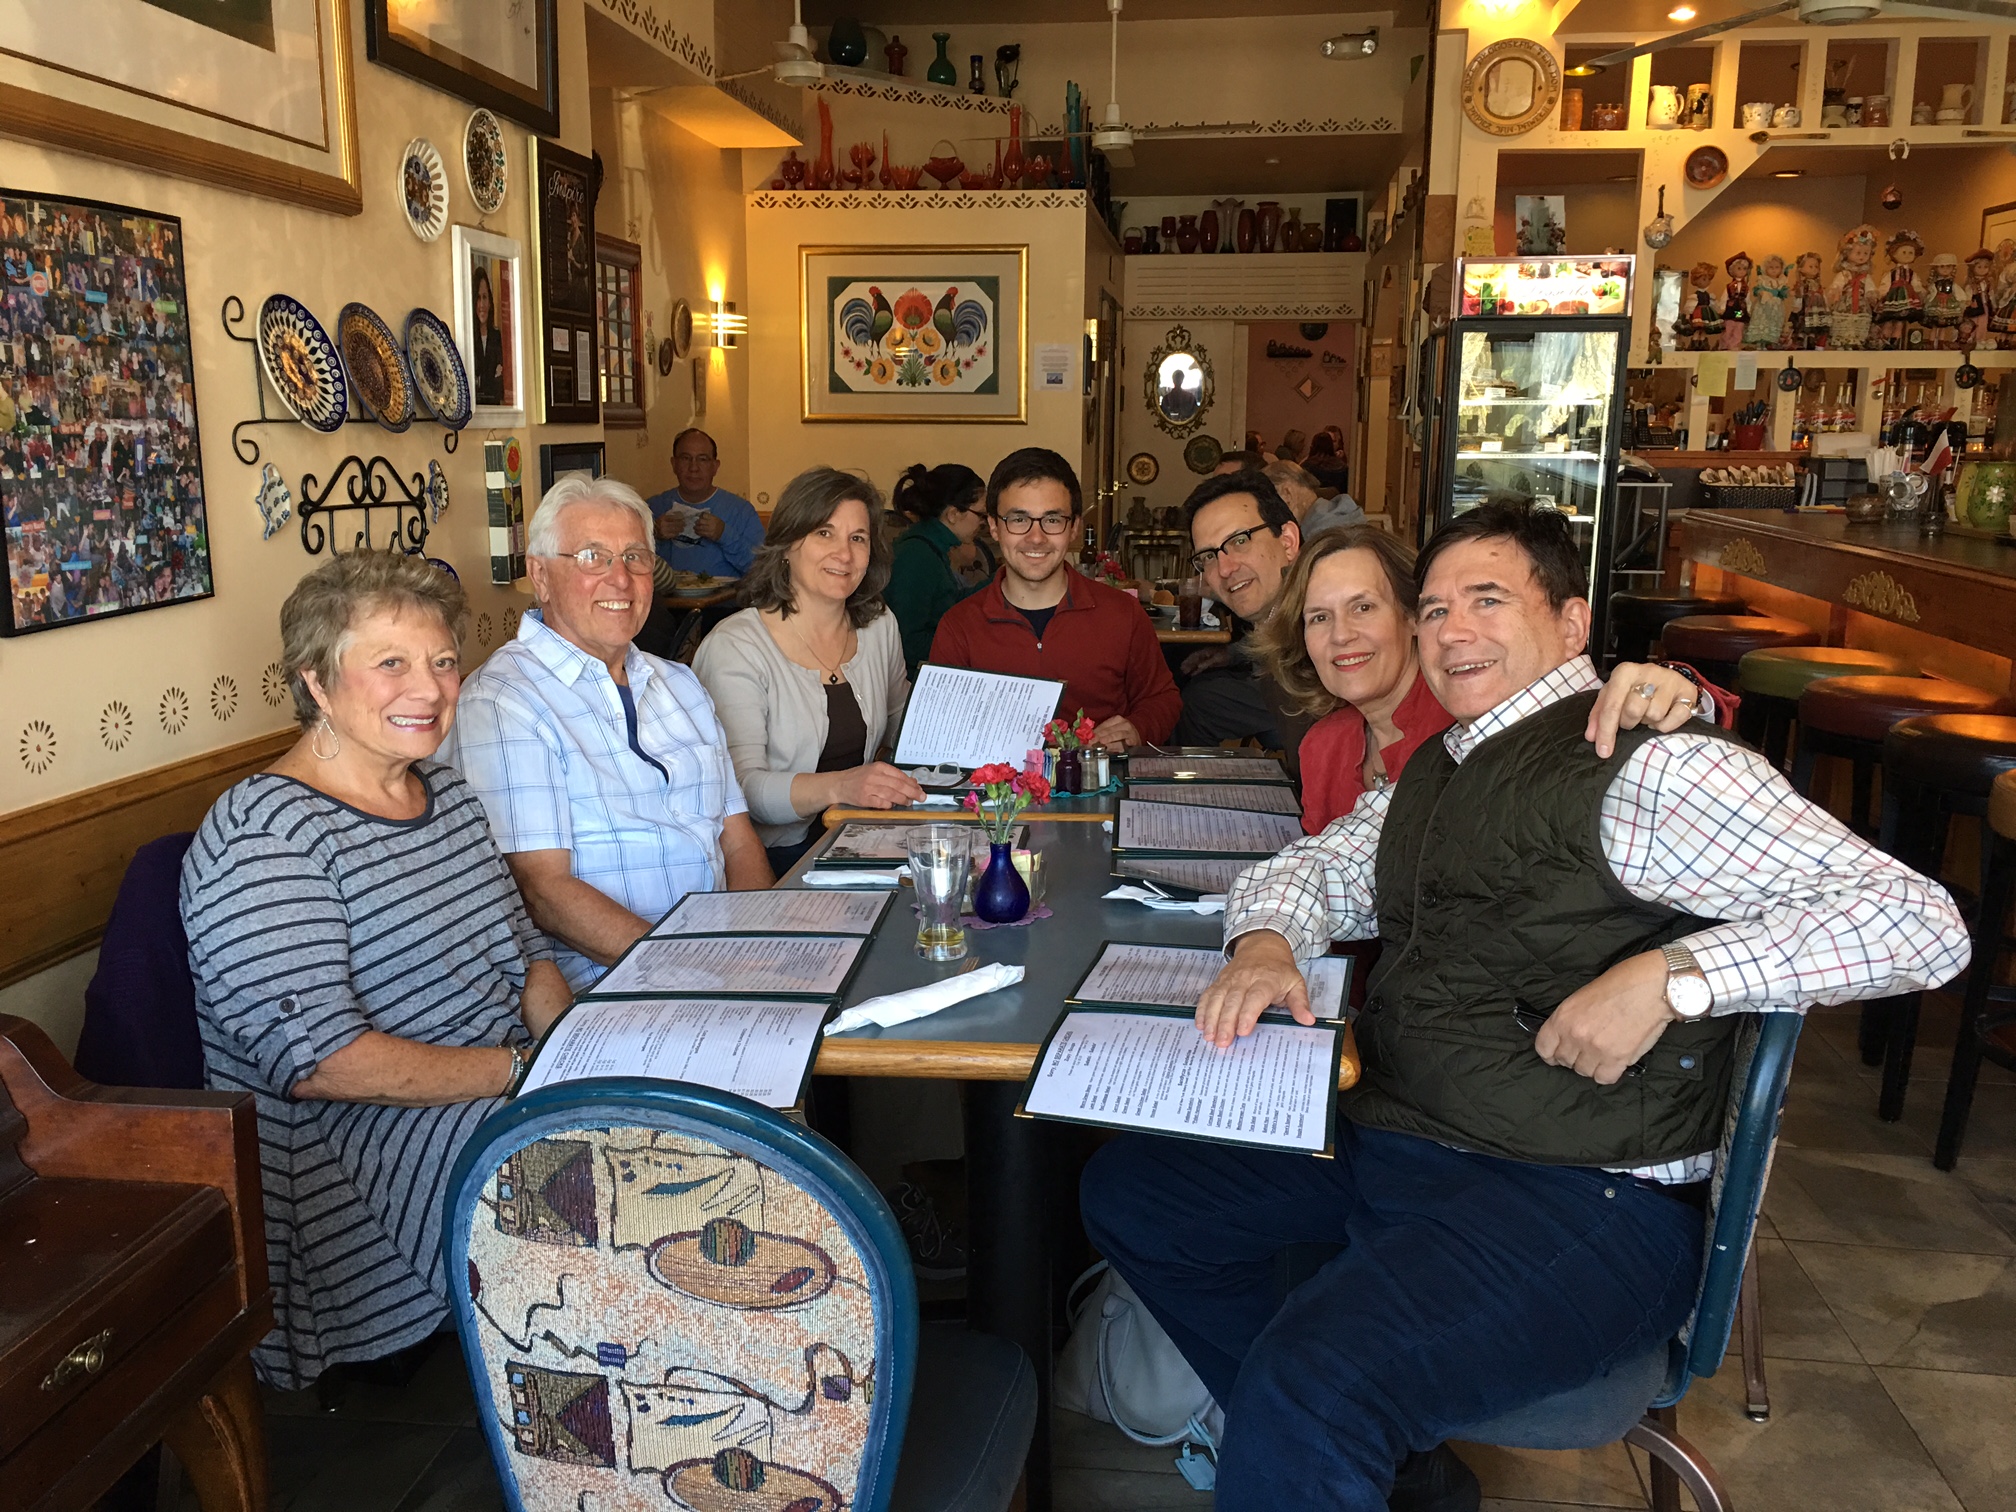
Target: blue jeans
(1467,1286)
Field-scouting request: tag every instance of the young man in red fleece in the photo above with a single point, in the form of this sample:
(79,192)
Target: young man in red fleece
(1041,618)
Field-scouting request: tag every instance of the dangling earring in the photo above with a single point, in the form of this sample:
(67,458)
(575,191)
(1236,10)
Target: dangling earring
(315,741)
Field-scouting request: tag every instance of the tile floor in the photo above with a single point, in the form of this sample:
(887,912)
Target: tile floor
(1890,1332)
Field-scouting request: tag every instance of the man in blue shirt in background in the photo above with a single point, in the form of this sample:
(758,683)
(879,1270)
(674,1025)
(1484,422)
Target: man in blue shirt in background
(722,530)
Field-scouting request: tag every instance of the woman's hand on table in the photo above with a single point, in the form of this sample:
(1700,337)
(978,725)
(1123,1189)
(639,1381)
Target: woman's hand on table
(1623,704)
(877,785)
(1261,974)
(1117,734)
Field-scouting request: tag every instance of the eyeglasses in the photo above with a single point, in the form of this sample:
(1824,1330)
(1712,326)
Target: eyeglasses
(1017,523)
(695,458)
(1236,543)
(596,562)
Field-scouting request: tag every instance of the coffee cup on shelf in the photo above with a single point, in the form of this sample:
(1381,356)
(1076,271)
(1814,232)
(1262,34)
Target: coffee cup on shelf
(1757,115)
(1786,117)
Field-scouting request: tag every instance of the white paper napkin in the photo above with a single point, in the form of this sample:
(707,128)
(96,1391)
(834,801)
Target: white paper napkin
(1210,903)
(900,1007)
(836,878)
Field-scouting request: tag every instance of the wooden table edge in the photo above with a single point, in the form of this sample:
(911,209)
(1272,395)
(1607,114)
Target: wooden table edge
(972,1060)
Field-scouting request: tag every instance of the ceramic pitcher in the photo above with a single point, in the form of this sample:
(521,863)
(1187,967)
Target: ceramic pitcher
(1666,106)
(1958,97)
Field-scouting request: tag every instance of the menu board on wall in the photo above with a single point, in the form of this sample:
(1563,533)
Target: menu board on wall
(563,229)
(1545,286)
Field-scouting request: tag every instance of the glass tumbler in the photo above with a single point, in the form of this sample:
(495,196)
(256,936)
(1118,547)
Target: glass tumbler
(941,863)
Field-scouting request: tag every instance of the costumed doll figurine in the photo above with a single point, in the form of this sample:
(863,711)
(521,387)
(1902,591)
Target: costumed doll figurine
(1902,304)
(1809,323)
(1699,329)
(1767,305)
(1980,296)
(1736,301)
(1851,297)
(2002,295)
(1944,306)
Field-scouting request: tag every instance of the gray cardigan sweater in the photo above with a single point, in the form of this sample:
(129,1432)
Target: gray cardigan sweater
(775,710)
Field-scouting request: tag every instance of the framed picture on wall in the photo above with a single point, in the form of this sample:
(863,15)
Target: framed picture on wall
(261,96)
(490,323)
(914,333)
(563,250)
(489,52)
(558,459)
(101,476)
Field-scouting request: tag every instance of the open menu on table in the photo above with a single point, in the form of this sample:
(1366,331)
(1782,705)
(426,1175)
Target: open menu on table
(959,717)
(756,1048)
(750,966)
(883,842)
(1253,797)
(1187,829)
(1193,875)
(774,911)
(1130,975)
(1160,769)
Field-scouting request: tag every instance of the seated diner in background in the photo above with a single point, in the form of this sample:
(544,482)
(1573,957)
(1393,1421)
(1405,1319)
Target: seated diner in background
(808,680)
(1547,1048)
(1301,492)
(947,507)
(1041,617)
(721,529)
(1341,648)
(604,769)
(363,964)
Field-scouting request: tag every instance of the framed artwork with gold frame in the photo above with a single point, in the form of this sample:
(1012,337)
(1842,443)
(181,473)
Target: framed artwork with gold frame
(914,334)
(262,98)
(1511,86)
(505,56)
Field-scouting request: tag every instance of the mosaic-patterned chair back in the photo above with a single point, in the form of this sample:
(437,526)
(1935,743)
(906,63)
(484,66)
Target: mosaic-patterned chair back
(671,1298)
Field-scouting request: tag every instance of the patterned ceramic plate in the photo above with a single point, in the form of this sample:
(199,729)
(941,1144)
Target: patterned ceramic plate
(423,189)
(439,380)
(302,364)
(377,372)
(1202,453)
(484,161)
(437,493)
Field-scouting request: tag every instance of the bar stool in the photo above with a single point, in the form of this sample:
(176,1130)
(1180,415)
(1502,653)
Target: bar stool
(1715,643)
(1771,681)
(1934,769)
(1849,716)
(1639,617)
(1986,1033)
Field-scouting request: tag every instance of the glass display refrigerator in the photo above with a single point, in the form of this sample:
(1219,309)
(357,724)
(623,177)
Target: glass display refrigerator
(1532,401)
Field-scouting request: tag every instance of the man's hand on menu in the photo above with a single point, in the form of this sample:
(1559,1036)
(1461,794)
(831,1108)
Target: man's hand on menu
(1261,974)
(708,526)
(1117,734)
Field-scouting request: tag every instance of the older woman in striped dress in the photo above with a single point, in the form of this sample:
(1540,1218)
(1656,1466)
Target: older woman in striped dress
(364,965)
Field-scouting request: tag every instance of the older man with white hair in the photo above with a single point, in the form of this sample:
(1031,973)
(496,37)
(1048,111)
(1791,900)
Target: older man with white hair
(604,770)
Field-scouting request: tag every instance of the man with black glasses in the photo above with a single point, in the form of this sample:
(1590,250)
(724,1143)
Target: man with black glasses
(1040,618)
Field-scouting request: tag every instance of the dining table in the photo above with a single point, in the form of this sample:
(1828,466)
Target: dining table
(990,1043)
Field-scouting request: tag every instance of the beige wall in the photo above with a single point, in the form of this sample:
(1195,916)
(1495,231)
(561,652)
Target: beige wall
(251,247)
(781,444)
(1762,215)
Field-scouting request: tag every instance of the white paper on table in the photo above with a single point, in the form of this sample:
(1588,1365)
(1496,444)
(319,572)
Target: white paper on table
(959,717)
(1276,1087)
(1202,874)
(938,776)
(755,1049)
(1175,976)
(1253,797)
(838,878)
(1127,892)
(1185,827)
(780,910)
(1207,768)
(894,1008)
(755,965)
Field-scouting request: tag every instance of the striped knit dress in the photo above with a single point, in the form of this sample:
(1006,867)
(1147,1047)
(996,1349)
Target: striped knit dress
(310,922)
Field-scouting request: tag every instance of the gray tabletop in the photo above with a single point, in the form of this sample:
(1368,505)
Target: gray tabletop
(1057,951)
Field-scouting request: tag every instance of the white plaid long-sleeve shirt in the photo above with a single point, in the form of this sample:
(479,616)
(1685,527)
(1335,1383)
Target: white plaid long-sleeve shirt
(1812,913)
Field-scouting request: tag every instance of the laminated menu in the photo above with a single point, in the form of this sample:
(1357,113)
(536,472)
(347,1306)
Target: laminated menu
(1254,797)
(959,717)
(1175,976)
(880,842)
(758,1049)
(1206,769)
(1190,829)
(1196,875)
(777,910)
(756,966)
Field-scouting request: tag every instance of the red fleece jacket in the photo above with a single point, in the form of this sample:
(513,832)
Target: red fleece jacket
(1099,643)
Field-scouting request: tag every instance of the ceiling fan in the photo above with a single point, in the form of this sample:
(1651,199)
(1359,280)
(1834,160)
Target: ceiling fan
(796,63)
(1817,13)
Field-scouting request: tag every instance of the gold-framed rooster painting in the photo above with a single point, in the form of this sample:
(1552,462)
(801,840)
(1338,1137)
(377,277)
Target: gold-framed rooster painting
(914,334)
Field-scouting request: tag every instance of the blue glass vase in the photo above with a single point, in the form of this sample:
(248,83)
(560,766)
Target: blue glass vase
(1001,896)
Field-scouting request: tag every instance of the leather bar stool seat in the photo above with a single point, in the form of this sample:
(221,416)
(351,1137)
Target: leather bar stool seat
(1935,769)
(1772,679)
(1639,617)
(1715,643)
(1864,707)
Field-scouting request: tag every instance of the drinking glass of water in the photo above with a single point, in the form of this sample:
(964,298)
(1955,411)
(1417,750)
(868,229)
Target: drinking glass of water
(941,862)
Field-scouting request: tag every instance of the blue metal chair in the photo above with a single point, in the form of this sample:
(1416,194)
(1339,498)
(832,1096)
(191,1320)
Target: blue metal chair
(668,1294)
(1614,1406)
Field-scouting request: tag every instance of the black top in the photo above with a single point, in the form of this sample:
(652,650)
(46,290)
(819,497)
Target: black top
(1039,619)
(846,731)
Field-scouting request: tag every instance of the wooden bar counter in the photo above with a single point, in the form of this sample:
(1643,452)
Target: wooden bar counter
(1947,601)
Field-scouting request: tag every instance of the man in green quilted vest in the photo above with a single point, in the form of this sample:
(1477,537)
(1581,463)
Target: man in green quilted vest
(1568,934)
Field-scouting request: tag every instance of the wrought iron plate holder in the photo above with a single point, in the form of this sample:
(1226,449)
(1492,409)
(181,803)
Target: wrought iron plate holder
(373,483)
(246,448)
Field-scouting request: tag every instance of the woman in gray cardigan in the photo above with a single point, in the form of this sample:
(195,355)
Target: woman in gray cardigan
(809,680)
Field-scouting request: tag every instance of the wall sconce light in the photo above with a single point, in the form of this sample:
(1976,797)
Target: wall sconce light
(1352,44)
(728,327)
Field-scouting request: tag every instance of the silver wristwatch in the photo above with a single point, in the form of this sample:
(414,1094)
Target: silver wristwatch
(1687,991)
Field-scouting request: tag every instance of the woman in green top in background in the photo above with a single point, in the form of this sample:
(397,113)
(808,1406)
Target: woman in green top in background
(948,502)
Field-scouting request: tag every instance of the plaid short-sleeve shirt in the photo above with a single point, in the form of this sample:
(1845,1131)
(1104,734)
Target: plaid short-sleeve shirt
(540,734)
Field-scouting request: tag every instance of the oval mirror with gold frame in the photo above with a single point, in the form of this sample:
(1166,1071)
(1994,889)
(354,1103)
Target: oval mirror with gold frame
(1179,383)
(1511,86)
